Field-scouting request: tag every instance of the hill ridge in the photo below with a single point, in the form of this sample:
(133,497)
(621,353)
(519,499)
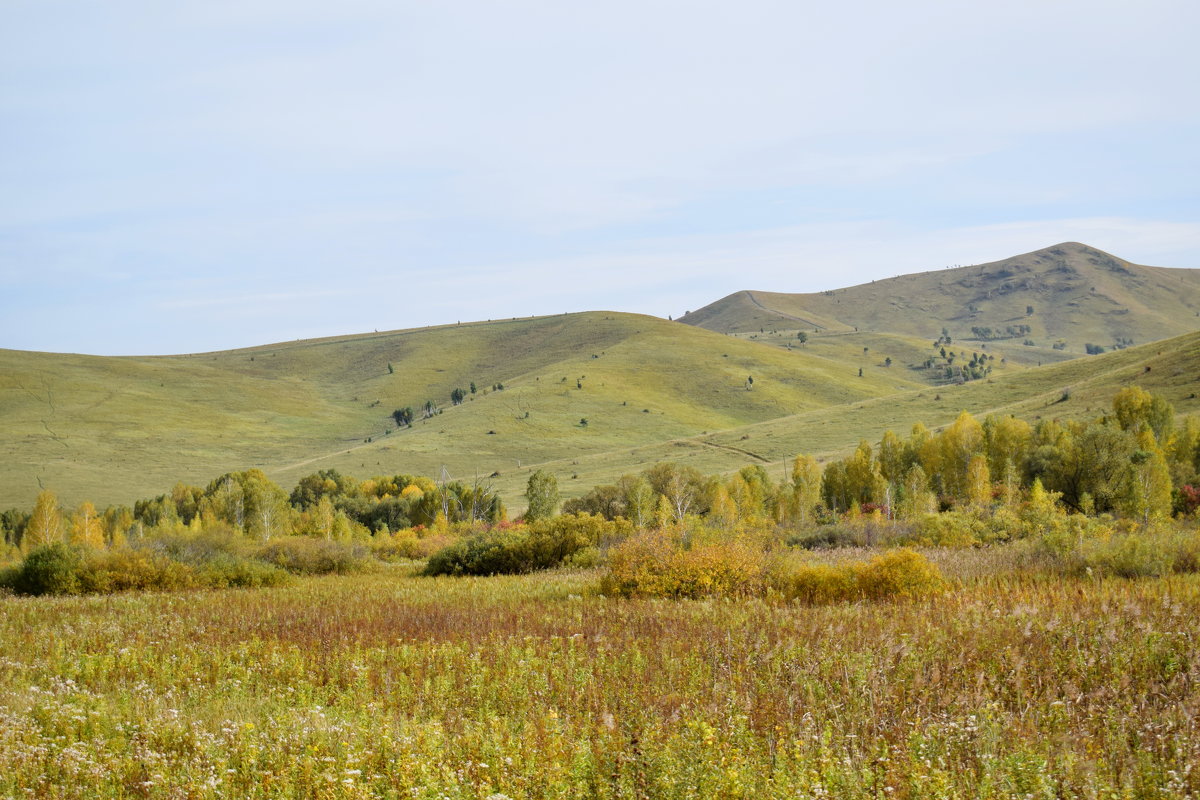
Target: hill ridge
(593,394)
(1070,294)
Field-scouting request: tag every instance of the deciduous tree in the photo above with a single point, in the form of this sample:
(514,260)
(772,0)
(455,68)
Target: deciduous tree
(86,526)
(45,524)
(542,493)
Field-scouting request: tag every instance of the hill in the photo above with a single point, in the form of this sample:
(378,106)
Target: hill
(117,429)
(596,395)
(1081,388)
(1068,296)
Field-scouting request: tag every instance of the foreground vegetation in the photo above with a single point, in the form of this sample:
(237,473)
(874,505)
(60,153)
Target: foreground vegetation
(388,685)
(992,610)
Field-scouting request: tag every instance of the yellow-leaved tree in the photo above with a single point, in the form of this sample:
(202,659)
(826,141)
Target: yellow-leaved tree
(722,508)
(960,443)
(1148,488)
(86,526)
(46,524)
(806,489)
(979,483)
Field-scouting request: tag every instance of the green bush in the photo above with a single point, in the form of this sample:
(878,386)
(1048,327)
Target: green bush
(231,571)
(660,564)
(129,569)
(947,529)
(62,569)
(541,545)
(587,558)
(1185,551)
(1127,556)
(50,569)
(901,573)
(198,549)
(494,552)
(406,545)
(8,578)
(1099,547)
(304,555)
(814,584)
(826,537)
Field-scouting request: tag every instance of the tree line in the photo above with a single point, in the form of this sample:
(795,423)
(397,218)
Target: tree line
(1135,462)
(326,505)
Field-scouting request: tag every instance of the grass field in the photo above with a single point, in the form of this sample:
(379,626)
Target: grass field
(388,685)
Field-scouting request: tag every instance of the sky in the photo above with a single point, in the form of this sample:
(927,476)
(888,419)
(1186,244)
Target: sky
(193,176)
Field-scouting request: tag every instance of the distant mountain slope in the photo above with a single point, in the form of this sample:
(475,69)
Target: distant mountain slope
(1078,295)
(117,429)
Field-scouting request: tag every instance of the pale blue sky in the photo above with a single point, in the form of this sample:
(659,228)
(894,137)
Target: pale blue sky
(201,175)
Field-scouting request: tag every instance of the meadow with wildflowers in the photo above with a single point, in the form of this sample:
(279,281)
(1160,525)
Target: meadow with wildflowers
(1011,684)
(925,619)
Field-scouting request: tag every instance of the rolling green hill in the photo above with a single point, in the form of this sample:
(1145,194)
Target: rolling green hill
(117,429)
(596,395)
(1078,295)
(1170,368)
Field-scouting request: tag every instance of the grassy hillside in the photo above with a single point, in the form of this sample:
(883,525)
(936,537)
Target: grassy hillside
(1079,295)
(869,349)
(1170,368)
(592,396)
(116,429)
